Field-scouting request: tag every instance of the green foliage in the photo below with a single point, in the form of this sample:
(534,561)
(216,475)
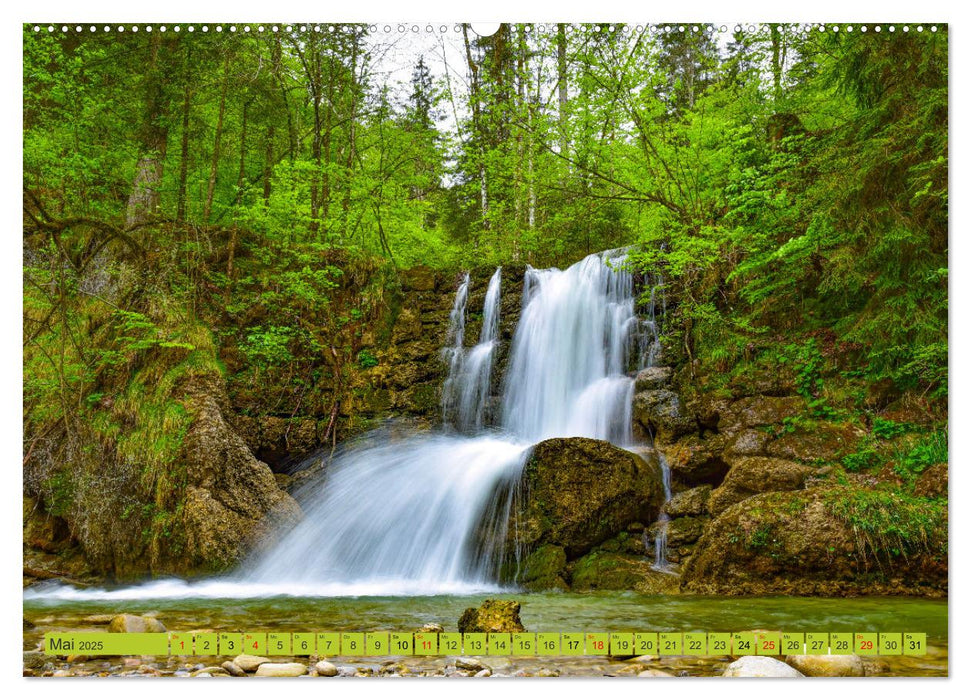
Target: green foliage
(366,359)
(926,453)
(889,523)
(866,458)
(268,346)
(886,429)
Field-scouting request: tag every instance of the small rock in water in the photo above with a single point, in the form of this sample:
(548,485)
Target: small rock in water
(654,673)
(827,665)
(233,669)
(326,669)
(432,628)
(248,662)
(760,667)
(212,671)
(102,619)
(492,616)
(346,671)
(469,664)
(286,670)
(548,673)
(135,624)
(484,673)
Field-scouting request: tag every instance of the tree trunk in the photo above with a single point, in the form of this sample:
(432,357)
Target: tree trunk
(211,189)
(144,201)
(477,128)
(561,82)
(183,156)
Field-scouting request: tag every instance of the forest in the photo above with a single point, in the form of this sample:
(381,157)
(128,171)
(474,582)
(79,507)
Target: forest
(243,202)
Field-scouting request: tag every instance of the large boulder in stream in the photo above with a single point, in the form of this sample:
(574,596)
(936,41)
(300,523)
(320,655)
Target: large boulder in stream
(576,493)
(826,541)
(492,616)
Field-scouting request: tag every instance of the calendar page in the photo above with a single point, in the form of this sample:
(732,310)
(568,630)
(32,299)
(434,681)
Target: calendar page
(437,349)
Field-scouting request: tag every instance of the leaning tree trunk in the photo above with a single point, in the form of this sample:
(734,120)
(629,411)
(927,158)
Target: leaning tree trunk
(144,201)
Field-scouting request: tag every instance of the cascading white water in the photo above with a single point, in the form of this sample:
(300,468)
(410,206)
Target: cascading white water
(568,370)
(453,353)
(466,390)
(428,514)
(661,534)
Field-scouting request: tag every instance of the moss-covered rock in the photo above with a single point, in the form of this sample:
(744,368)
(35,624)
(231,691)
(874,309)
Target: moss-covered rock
(695,460)
(544,569)
(578,492)
(661,413)
(751,475)
(823,541)
(691,502)
(608,571)
(492,616)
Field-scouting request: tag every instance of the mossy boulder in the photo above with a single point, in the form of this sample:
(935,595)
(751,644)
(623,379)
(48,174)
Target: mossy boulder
(544,569)
(695,460)
(754,411)
(816,440)
(661,413)
(752,475)
(827,541)
(492,616)
(653,378)
(608,571)
(578,493)
(687,503)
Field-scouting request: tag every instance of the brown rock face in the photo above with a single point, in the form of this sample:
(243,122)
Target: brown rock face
(492,616)
(753,475)
(580,492)
(232,501)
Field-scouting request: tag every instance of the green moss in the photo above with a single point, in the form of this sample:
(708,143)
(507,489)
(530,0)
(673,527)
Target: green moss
(891,523)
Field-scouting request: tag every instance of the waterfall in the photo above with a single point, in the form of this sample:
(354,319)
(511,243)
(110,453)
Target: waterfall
(453,352)
(661,527)
(568,370)
(466,390)
(428,514)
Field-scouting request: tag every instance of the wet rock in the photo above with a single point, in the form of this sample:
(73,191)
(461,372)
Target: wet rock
(104,619)
(660,412)
(548,673)
(484,673)
(135,623)
(492,616)
(431,627)
(652,378)
(582,492)
(281,670)
(543,569)
(233,669)
(607,571)
(34,660)
(211,671)
(752,475)
(654,673)
(326,669)
(760,667)
(691,502)
(685,531)
(250,663)
(470,664)
(827,665)
(346,671)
